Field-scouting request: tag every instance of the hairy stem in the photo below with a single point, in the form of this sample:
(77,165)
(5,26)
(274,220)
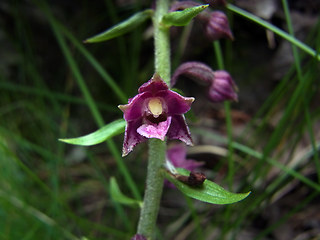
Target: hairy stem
(157,148)
(154,184)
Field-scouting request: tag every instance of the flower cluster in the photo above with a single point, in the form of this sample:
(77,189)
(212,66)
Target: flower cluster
(156,112)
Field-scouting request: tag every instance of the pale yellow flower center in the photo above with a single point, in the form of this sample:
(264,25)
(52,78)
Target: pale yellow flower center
(155,106)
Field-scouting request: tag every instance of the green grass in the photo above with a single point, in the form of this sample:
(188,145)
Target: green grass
(54,86)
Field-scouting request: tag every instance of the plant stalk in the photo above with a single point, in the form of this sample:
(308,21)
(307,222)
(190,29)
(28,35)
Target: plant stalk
(157,148)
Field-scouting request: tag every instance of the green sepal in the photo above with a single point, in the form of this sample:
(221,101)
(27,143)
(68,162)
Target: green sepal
(122,27)
(182,18)
(209,191)
(112,129)
(119,197)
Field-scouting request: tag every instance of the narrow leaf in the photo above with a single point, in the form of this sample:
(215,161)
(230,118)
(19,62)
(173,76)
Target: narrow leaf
(122,28)
(112,129)
(182,18)
(118,196)
(209,191)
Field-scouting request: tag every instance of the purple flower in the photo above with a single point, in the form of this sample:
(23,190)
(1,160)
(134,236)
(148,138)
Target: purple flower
(221,87)
(176,155)
(156,112)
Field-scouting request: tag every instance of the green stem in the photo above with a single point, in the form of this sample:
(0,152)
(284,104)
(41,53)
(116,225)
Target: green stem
(154,183)
(157,148)
(161,42)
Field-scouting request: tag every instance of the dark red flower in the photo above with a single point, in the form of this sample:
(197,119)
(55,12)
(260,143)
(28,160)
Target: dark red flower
(156,112)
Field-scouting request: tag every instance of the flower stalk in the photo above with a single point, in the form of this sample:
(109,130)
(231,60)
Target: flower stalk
(157,148)
(153,192)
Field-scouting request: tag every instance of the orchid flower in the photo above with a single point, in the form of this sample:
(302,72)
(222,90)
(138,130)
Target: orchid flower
(156,112)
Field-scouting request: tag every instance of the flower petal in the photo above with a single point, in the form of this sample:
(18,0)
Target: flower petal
(135,108)
(175,103)
(131,136)
(154,85)
(155,130)
(179,130)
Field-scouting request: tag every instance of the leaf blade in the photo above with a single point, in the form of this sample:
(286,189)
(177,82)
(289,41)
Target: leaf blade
(182,18)
(112,129)
(122,27)
(209,192)
(118,196)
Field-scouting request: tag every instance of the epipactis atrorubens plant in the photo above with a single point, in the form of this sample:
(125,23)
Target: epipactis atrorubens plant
(156,113)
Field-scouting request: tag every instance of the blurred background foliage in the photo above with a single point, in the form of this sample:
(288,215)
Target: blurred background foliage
(52,86)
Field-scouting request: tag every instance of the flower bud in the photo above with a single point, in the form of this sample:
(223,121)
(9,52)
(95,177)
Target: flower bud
(219,83)
(217,26)
(223,87)
(194,70)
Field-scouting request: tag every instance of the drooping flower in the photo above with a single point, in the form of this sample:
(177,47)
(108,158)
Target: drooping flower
(221,87)
(217,26)
(156,112)
(176,155)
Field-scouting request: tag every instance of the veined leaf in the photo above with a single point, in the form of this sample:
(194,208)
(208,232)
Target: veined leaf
(209,191)
(112,129)
(122,28)
(182,18)
(118,196)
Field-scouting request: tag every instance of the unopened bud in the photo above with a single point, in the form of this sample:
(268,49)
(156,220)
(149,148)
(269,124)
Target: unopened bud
(220,84)
(197,71)
(218,26)
(223,87)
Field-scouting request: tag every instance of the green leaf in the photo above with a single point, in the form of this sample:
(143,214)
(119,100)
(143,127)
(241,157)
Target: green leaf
(112,129)
(122,28)
(209,191)
(182,18)
(118,196)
